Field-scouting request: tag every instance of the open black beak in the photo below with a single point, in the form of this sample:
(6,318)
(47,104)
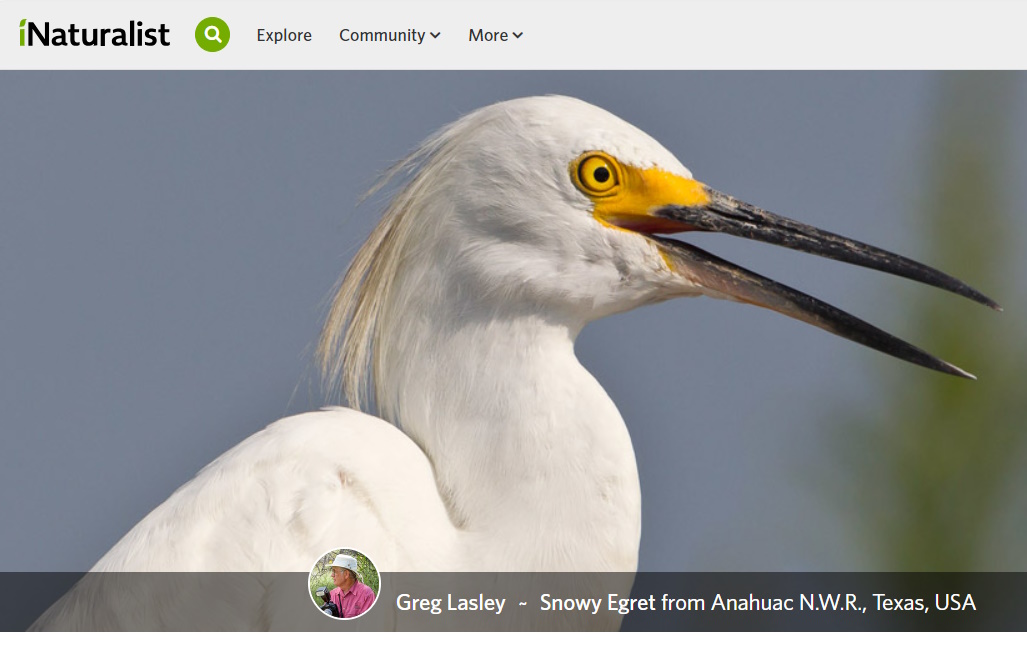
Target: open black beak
(726,280)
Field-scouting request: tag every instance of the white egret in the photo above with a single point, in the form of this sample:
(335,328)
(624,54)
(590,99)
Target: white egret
(494,449)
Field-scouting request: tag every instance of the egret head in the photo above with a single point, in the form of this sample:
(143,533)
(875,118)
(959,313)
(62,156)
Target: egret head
(498,199)
(552,206)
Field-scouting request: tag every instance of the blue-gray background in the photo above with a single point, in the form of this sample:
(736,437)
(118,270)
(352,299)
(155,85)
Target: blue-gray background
(168,241)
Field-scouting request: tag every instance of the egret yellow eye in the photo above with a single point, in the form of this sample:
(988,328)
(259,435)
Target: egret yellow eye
(598,175)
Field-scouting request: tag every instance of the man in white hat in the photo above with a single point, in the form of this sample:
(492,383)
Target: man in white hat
(350,595)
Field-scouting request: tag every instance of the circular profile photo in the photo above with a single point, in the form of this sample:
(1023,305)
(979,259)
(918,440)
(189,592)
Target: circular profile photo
(344,584)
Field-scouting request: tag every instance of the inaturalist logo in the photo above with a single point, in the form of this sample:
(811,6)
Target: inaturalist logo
(134,34)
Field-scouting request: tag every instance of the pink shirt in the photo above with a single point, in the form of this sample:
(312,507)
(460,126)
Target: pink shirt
(356,601)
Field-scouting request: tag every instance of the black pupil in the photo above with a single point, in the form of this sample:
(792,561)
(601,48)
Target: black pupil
(601,174)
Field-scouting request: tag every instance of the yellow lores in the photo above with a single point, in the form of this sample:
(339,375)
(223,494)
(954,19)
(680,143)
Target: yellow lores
(625,196)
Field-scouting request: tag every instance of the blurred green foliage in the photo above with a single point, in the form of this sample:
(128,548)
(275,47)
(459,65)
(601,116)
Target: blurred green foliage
(937,461)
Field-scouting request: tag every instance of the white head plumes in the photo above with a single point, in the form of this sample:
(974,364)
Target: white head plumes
(492,220)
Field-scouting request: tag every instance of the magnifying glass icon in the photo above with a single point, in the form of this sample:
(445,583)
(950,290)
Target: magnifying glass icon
(212,34)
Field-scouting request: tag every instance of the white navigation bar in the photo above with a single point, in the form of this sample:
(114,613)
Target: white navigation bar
(555,34)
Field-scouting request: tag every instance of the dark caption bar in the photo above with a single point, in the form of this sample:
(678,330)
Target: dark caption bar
(523,602)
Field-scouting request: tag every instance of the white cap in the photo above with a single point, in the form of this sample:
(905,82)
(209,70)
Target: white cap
(346,562)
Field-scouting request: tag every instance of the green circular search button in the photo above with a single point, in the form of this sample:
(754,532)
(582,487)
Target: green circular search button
(212,34)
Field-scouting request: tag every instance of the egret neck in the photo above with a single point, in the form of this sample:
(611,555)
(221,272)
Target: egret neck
(531,457)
